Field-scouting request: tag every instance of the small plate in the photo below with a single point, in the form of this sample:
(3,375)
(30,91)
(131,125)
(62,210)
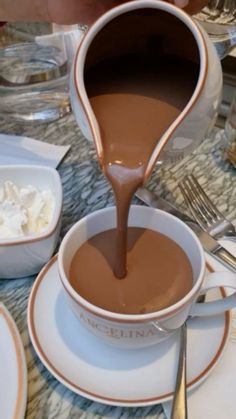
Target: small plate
(94,369)
(13,370)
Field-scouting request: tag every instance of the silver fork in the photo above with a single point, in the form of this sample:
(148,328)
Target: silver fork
(204,210)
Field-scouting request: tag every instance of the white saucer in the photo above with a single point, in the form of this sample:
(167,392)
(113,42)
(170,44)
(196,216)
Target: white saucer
(90,367)
(13,371)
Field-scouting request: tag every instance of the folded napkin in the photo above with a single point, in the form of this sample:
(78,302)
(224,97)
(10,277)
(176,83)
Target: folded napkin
(65,37)
(215,398)
(15,149)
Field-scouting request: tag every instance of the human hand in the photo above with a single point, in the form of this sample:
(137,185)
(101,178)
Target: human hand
(57,11)
(87,11)
(72,11)
(78,11)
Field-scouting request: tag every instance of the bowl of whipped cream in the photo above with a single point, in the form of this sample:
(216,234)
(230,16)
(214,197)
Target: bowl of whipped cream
(30,218)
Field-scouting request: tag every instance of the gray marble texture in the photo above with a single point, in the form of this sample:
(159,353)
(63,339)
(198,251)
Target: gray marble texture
(85,190)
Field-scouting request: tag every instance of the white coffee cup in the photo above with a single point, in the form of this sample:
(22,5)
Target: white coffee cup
(140,330)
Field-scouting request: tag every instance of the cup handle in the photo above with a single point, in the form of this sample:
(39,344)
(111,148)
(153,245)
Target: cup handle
(215,280)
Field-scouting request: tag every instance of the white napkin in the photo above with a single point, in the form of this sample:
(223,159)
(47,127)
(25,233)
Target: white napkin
(66,38)
(23,150)
(215,398)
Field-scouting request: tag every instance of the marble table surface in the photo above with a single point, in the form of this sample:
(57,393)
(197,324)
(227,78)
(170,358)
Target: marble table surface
(85,190)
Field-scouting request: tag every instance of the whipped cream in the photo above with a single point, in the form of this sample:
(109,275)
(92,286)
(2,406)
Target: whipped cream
(24,211)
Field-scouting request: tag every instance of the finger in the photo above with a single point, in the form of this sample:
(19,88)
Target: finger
(181,3)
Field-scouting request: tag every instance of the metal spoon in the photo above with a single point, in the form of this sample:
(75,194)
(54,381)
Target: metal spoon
(179,406)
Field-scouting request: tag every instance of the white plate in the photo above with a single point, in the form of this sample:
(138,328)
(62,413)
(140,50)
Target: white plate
(215,398)
(13,371)
(94,369)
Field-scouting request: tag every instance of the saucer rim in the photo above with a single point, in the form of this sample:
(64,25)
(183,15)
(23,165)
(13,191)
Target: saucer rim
(21,397)
(99,397)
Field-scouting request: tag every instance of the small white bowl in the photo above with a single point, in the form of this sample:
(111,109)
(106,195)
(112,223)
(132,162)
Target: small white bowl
(25,256)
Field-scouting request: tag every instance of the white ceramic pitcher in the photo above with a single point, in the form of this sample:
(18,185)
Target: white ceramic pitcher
(104,39)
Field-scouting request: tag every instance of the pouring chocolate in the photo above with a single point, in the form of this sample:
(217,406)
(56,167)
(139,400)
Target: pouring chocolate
(140,74)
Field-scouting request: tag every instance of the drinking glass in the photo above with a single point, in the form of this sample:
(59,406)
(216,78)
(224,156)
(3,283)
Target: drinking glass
(33,82)
(218,18)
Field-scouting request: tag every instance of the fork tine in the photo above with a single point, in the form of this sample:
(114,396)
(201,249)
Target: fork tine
(195,206)
(188,197)
(210,219)
(195,201)
(203,198)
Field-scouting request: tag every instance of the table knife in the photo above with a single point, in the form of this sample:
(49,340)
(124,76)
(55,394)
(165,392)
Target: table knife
(210,245)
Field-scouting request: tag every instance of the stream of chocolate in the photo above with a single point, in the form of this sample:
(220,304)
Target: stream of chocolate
(135,100)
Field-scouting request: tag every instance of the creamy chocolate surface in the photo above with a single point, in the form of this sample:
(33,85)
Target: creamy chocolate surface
(158,272)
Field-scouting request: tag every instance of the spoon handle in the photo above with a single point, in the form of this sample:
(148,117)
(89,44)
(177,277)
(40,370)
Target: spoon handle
(179,406)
